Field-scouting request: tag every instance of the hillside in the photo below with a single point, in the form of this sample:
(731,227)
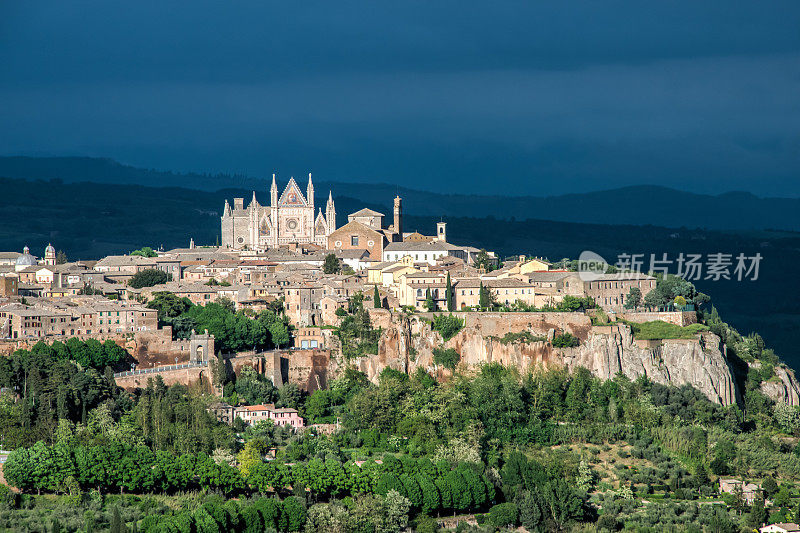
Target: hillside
(638,205)
(105,219)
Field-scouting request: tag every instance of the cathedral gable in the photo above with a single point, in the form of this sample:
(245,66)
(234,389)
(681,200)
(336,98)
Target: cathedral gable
(292,196)
(320,226)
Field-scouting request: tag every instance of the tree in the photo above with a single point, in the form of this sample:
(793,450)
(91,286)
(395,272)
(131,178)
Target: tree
(145,251)
(293,515)
(447,325)
(565,340)
(634,298)
(331,264)
(448,294)
(504,515)
(376,298)
(758,514)
(486,298)
(448,357)
(431,500)
(430,303)
(116,525)
(769,486)
(484,260)
(396,507)
(61,257)
(148,278)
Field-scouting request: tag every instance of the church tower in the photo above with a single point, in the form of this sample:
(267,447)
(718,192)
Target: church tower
(50,255)
(398,218)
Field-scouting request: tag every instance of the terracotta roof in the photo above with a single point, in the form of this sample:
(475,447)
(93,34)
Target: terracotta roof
(366,212)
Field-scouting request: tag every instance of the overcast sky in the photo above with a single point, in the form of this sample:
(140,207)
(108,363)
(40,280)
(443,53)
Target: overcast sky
(533,97)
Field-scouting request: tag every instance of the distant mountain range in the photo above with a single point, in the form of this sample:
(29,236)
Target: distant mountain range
(637,205)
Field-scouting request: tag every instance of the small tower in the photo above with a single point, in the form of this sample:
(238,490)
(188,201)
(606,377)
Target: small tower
(441,231)
(330,214)
(398,217)
(50,255)
(310,192)
(191,243)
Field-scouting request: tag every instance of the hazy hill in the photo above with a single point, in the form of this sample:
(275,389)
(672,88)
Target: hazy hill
(630,205)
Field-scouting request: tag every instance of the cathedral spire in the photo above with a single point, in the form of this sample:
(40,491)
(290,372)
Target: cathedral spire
(330,214)
(310,191)
(254,202)
(273,194)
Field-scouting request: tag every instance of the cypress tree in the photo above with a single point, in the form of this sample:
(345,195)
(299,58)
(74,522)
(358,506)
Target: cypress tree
(376,298)
(116,522)
(449,294)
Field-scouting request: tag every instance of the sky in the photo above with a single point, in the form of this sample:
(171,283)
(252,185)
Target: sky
(533,97)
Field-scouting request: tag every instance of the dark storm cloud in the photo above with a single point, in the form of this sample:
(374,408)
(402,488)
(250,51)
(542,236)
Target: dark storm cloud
(530,96)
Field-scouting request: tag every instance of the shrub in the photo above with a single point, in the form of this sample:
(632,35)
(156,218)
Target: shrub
(658,330)
(525,337)
(448,358)
(148,278)
(565,340)
(447,325)
(504,514)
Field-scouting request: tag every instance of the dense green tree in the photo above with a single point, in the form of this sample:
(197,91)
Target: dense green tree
(332,265)
(376,298)
(504,515)
(148,278)
(634,298)
(448,294)
(446,357)
(145,251)
(293,515)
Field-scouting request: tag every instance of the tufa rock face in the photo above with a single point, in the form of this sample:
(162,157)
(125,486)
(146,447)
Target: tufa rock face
(785,389)
(408,343)
(696,362)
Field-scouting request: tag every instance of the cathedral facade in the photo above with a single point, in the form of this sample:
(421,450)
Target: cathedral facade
(288,219)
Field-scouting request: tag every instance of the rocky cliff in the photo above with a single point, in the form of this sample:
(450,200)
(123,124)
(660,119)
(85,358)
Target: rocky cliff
(408,342)
(783,387)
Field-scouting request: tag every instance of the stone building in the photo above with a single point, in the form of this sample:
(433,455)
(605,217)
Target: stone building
(289,219)
(356,235)
(610,290)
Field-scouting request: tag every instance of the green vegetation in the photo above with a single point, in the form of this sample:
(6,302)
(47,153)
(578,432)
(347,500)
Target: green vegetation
(569,304)
(634,298)
(669,288)
(376,298)
(447,357)
(658,330)
(233,331)
(332,265)
(447,325)
(483,260)
(523,337)
(547,450)
(144,252)
(148,278)
(355,332)
(565,340)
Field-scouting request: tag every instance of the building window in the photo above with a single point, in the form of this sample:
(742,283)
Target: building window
(354,240)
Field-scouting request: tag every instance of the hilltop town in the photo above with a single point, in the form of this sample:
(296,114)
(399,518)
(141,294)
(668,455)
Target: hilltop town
(294,321)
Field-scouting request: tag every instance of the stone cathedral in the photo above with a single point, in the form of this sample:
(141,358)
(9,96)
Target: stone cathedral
(288,219)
